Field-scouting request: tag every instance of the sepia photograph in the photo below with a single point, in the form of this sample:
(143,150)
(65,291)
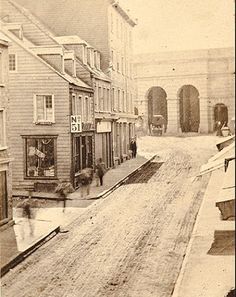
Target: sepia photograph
(117,148)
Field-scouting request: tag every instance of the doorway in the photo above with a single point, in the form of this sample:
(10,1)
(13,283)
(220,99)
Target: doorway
(157,105)
(220,115)
(189,108)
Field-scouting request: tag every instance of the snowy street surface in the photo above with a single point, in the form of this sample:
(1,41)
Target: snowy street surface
(131,243)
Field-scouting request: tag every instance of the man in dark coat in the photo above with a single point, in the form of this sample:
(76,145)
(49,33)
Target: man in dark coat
(100,171)
(133,147)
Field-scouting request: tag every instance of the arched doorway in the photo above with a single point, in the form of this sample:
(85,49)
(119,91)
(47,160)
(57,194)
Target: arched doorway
(157,104)
(220,114)
(189,108)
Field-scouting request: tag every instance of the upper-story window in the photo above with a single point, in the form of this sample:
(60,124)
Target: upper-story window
(118,63)
(122,65)
(77,106)
(2,128)
(85,55)
(112,23)
(44,108)
(12,63)
(112,59)
(86,109)
(98,60)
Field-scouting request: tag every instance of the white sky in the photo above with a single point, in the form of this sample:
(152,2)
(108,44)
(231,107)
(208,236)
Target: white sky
(165,25)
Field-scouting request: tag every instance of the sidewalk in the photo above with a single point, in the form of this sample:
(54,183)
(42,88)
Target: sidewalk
(204,273)
(111,179)
(18,241)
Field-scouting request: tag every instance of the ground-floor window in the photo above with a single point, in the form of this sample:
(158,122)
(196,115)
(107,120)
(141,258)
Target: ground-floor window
(40,156)
(3,196)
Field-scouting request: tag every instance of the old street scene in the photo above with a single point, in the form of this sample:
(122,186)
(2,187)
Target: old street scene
(117,148)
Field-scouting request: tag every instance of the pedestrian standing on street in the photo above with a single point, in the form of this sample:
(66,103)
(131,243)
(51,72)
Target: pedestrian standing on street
(85,178)
(100,171)
(133,147)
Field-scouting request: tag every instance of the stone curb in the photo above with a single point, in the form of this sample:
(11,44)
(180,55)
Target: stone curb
(122,180)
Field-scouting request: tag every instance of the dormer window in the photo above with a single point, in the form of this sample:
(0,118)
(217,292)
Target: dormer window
(91,57)
(98,60)
(85,55)
(15,28)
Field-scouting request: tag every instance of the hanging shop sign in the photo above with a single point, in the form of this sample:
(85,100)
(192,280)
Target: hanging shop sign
(75,124)
(103,127)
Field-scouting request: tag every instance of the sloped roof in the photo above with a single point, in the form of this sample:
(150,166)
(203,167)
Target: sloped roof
(70,39)
(73,80)
(3,39)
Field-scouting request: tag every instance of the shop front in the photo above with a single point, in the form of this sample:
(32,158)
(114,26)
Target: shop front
(82,151)
(103,142)
(5,192)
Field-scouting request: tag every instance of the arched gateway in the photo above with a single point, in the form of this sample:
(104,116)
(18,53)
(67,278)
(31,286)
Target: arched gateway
(189,108)
(157,104)
(220,114)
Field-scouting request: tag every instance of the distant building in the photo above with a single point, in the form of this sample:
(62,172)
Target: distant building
(5,168)
(107,27)
(192,89)
(91,73)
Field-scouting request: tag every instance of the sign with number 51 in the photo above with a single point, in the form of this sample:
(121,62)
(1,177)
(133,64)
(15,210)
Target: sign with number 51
(75,124)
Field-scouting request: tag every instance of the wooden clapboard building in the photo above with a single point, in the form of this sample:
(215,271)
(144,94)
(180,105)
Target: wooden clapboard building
(45,92)
(5,168)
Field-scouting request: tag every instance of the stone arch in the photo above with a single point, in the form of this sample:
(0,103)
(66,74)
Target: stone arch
(189,108)
(220,114)
(157,104)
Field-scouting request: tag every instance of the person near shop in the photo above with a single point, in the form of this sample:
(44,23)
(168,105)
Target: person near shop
(100,171)
(85,178)
(133,147)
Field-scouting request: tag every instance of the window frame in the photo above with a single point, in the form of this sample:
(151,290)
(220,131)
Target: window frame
(36,121)
(16,63)
(4,146)
(25,137)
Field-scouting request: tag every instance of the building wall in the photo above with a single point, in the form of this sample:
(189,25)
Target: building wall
(5,165)
(77,17)
(10,12)
(33,77)
(210,71)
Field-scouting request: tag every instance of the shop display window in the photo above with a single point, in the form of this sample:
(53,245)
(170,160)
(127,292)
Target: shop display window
(40,157)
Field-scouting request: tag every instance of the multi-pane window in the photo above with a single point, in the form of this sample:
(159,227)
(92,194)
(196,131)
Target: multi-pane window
(12,62)
(100,95)
(86,109)
(108,100)
(44,108)
(113,99)
(118,100)
(123,101)
(2,129)
(40,156)
(104,107)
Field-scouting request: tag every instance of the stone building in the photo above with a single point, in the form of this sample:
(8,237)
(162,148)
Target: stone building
(191,89)
(106,26)
(5,168)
